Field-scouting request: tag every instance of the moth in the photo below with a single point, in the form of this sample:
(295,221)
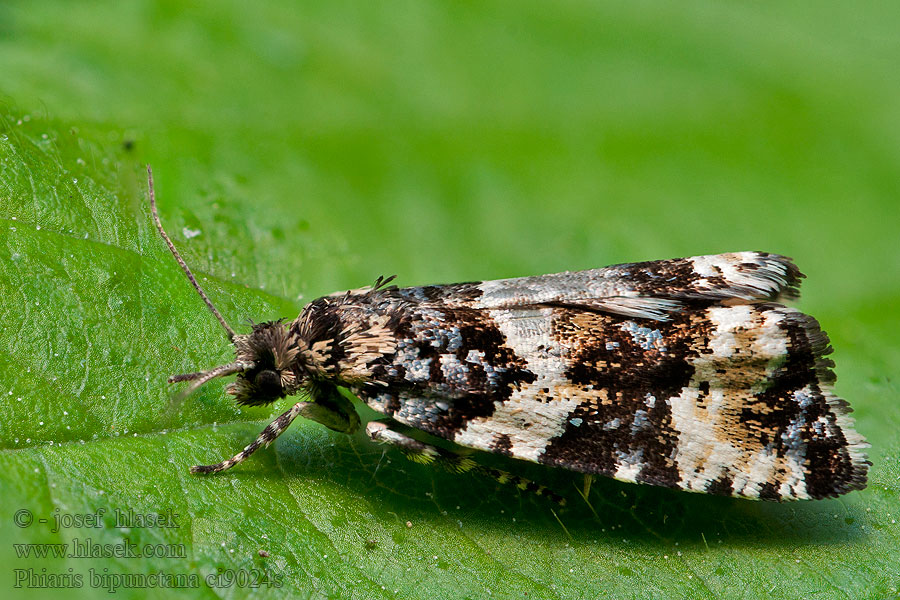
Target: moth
(688,373)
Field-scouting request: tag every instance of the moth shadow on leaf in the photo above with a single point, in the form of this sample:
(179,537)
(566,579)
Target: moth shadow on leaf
(390,485)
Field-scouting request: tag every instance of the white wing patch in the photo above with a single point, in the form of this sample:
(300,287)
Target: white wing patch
(528,417)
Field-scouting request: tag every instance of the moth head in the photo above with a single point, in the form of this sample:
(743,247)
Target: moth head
(270,365)
(271,369)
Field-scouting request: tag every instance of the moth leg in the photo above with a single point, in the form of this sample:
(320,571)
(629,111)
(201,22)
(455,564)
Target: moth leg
(329,408)
(266,437)
(389,433)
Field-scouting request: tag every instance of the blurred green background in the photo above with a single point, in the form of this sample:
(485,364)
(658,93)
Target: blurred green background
(302,149)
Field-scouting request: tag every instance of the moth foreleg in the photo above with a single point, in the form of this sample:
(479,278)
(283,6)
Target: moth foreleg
(331,409)
(265,437)
(389,433)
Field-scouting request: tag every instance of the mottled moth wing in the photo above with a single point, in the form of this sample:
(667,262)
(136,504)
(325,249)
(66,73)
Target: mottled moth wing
(646,289)
(681,373)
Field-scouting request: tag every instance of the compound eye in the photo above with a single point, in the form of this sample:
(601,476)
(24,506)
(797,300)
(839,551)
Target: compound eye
(268,383)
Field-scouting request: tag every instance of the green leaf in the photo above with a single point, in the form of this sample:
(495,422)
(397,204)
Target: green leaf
(300,151)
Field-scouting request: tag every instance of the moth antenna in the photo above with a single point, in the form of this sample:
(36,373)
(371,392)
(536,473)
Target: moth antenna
(184,267)
(185,377)
(202,377)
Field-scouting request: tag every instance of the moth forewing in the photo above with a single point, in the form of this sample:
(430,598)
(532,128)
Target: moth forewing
(686,373)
